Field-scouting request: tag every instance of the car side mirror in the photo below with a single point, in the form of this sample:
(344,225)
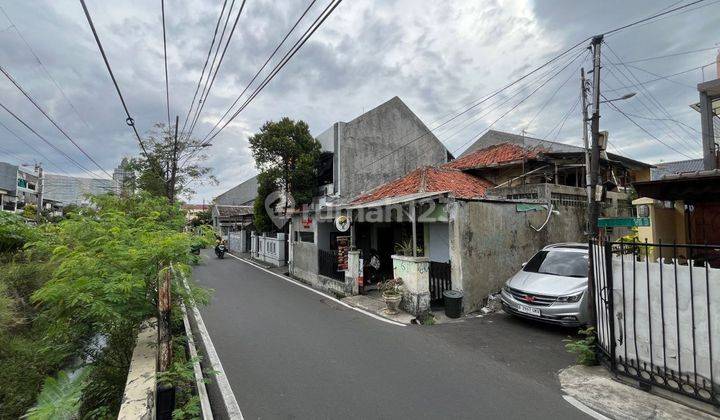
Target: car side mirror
(523,265)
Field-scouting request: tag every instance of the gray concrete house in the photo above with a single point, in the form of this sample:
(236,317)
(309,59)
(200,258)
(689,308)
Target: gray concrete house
(233,210)
(472,221)
(381,145)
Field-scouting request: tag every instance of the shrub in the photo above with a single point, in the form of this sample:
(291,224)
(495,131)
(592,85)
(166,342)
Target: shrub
(584,348)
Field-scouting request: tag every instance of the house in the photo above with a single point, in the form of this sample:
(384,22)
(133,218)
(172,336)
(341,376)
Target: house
(675,168)
(381,145)
(66,190)
(472,221)
(227,218)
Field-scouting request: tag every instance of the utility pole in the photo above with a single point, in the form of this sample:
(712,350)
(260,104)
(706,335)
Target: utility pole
(593,208)
(586,145)
(40,186)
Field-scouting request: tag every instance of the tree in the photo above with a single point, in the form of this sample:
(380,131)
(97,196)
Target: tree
(170,165)
(202,218)
(286,150)
(267,184)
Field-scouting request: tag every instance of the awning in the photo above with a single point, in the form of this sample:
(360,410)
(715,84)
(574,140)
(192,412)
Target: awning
(700,186)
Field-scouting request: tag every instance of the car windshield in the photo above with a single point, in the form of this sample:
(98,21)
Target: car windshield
(570,264)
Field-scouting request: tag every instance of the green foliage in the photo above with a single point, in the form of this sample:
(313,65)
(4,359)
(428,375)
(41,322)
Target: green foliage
(14,232)
(584,348)
(287,150)
(406,248)
(202,218)
(153,173)
(91,275)
(267,184)
(60,397)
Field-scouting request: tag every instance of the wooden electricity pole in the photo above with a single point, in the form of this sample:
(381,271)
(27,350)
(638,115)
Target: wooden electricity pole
(164,333)
(594,207)
(174,165)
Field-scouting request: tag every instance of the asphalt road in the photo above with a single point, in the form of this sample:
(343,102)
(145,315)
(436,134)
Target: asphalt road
(291,353)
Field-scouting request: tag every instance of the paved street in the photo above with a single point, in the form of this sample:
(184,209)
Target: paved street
(291,353)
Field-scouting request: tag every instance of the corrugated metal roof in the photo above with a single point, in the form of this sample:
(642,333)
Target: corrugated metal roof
(673,168)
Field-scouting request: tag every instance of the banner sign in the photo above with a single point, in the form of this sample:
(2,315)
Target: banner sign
(343,246)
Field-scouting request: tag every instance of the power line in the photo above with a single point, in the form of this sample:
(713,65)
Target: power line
(167,85)
(42,65)
(21,121)
(653,99)
(667,130)
(39,108)
(515,106)
(286,58)
(666,77)
(649,18)
(676,54)
(666,119)
(207,59)
(643,128)
(25,142)
(261,68)
(203,100)
(129,120)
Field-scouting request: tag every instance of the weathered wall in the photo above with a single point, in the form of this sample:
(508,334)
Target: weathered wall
(8,177)
(376,133)
(305,261)
(489,241)
(240,195)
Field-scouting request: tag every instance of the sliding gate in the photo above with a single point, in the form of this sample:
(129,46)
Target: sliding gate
(658,314)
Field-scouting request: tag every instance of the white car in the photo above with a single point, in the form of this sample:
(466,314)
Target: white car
(551,287)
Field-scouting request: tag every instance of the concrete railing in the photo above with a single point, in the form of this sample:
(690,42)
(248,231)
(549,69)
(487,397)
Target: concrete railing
(269,249)
(140,388)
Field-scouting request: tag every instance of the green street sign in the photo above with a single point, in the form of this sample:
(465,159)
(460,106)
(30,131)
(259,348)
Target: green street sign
(608,222)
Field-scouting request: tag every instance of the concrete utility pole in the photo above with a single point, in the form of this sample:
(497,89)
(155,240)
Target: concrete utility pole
(593,207)
(40,186)
(586,145)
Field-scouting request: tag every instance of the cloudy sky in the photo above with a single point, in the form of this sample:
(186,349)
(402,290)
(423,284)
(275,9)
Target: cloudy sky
(437,56)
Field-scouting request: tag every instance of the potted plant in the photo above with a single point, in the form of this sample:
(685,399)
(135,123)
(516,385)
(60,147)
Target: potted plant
(390,290)
(405,248)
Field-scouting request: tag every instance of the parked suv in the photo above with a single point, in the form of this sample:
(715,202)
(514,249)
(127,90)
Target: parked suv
(551,287)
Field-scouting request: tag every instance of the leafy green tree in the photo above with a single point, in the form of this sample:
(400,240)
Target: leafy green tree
(60,397)
(267,184)
(286,149)
(202,218)
(170,166)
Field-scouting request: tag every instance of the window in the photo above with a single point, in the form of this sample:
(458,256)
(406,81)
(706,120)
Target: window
(559,263)
(305,237)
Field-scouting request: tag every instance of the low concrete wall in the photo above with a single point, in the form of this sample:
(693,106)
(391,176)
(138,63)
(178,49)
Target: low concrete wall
(139,398)
(414,272)
(268,249)
(489,241)
(304,266)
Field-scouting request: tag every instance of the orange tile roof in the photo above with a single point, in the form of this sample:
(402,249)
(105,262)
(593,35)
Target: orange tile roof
(497,154)
(430,179)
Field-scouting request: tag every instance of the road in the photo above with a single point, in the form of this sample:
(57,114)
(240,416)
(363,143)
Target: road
(291,353)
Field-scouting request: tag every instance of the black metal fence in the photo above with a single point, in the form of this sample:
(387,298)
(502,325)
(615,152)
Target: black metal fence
(658,314)
(439,281)
(328,265)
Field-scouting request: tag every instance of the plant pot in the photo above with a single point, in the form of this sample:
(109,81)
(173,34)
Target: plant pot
(392,301)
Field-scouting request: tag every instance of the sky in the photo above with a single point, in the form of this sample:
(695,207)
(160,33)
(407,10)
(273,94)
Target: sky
(438,57)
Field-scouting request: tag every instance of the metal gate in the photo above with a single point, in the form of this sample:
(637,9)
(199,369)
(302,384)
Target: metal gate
(439,281)
(658,314)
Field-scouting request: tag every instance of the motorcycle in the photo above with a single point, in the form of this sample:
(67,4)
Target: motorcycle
(220,250)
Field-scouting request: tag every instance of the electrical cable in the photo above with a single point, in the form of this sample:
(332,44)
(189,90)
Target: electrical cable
(202,73)
(49,118)
(129,121)
(287,35)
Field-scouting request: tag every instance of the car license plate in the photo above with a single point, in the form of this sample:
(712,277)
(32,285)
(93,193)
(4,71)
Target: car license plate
(529,310)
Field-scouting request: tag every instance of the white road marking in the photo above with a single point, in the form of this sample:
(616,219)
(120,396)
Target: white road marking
(334,299)
(585,409)
(228,396)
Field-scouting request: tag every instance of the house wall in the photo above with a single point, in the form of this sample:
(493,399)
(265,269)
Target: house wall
(489,241)
(240,195)
(366,139)
(8,177)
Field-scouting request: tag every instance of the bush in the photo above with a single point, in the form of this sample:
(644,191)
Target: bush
(584,348)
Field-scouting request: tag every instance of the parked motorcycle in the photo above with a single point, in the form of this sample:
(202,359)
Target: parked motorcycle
(220,250)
